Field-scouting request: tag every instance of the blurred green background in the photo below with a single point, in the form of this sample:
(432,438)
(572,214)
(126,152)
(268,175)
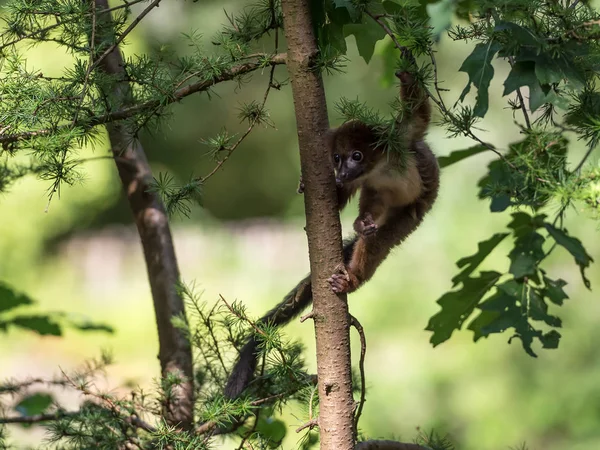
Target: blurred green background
(248,243)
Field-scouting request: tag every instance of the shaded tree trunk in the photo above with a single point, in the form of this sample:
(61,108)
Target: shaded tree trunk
(161,263)
(330,311)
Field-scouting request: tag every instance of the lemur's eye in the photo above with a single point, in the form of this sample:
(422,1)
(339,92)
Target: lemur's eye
(336,158)
(357,156)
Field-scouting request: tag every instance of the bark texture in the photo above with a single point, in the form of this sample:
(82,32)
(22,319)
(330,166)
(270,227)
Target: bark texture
(331,318)
(161,263)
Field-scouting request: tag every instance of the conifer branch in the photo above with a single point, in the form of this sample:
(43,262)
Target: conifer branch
(131,111)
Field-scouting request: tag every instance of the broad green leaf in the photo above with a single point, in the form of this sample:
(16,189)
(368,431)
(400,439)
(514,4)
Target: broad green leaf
(514,305)
(550,339)
(522,264)
(87,325)
(478,65)
(553,290)
(332,34)
(574,247)
(349,8)
(537,309)
(40,324)
(10,299)
(34,404)
(500,203)
(523,74)
(457,306)
(366,33)
(459,155)
(273,430)
(440,16)
(527,254)
(522,35)
(470,263)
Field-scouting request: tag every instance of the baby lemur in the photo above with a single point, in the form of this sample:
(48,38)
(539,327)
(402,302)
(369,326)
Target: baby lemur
(397,190)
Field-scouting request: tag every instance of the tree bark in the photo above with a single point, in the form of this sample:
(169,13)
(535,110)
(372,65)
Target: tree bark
(330,311)
(175,353)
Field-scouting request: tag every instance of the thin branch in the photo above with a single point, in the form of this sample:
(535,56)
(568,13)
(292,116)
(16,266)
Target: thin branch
(310,425)
(584,159)
(117,410)
(361,366)
(43,31)
(246,133)
(131,111)
(128,30)
(406,53)
(37,418)
(520,96)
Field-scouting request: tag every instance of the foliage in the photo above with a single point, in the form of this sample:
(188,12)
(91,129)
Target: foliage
(42,324)
(551,50)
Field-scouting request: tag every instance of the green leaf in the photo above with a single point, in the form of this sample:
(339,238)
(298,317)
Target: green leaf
(470,263)
(550,339)
(274,430)
(478,65)
(457,306)
(367,33)
(10,299)
(42,325)
(523,74)
(440,14)
(538,310)
(459,155)
(34,404)
(88,325)
(574,247)
(520,34)
(553,290)
(345,7)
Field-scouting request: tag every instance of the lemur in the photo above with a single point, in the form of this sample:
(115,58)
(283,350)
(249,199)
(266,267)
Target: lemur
(397,190)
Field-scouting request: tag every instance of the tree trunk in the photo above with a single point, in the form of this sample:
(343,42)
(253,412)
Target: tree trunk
(336,404)
(153,227)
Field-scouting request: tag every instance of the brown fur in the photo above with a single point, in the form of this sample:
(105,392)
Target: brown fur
(393,202)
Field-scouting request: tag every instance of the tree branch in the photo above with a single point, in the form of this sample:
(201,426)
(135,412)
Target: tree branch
(133,110)
(175,353)
(37,418)
(332,321)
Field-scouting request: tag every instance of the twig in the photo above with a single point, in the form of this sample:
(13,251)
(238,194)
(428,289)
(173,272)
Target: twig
(37,418)
(127,416)
(250,127)
(45,30)
(239,316)
(310,425)
(511,61)
(307,316)
(584,159)
(128,30)
(88,72)
(361,365)
(406,53)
